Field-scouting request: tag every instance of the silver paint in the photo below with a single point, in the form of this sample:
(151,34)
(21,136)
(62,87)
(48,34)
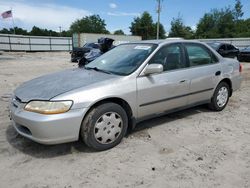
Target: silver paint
(87,87)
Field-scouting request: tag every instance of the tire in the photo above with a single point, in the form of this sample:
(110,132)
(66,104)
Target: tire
(104,126)
(220,98)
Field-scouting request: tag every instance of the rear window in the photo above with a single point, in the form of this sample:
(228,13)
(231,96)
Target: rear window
(199,55)
(230,47)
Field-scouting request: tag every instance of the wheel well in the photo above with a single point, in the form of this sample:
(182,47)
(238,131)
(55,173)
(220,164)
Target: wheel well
(123,104)
(228,81)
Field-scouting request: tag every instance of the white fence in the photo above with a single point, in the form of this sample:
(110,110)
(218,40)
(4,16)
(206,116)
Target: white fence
(40,43)
(34,43)
(238,42)
(79,39)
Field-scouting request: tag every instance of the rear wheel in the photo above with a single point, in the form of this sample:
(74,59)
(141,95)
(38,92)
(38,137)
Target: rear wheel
(104,126)
(220,97)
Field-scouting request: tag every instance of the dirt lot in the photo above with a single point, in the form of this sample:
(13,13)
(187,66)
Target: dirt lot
(192,148)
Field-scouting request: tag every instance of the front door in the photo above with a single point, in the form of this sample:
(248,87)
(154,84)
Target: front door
(168,90)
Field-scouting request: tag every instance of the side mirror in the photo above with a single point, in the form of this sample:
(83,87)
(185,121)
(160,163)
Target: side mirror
(153,68)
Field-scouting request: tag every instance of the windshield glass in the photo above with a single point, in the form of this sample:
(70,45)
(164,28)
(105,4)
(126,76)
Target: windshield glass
(124,59)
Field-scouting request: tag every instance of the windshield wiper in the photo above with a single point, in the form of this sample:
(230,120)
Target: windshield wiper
(98,70)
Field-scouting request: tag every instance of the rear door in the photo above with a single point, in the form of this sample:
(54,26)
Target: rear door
(205,72)
(158,93)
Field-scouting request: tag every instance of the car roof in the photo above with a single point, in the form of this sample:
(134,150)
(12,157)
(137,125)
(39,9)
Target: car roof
(219,43)
(165,41)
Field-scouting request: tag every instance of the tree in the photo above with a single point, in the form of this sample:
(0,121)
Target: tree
(216,24)
(178,29)
(206,27)
(162,32)
(243,28)
(5,31)
(89,24)
(119,32)
(18,31)
(143,26)
(146,28)
(226,24)
(238,10)
(66,33)
(223,23)
(36,31)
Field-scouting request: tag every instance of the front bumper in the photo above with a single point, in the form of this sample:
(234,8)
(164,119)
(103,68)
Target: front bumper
(47,129)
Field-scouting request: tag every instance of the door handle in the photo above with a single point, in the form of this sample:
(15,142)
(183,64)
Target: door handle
(218,73)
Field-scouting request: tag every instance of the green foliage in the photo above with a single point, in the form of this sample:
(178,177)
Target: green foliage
(66,33)
(119,32)
(36,31)
(242,28)
(178,29)
(224,23)
(43,32)
(162,32)
(5,31)
(238,10)
(145,27)
(89,24)
(18,31)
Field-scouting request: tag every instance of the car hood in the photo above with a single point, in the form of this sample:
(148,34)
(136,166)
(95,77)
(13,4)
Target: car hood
(49,86)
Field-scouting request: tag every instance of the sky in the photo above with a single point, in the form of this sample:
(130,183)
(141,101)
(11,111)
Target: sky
(118,14)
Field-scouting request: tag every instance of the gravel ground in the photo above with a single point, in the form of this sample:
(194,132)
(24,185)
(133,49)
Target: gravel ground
(191,148)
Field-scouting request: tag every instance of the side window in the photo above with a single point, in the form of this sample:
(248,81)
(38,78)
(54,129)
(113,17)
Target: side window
(230,47)
(170,56)
(223,47)
(198,55)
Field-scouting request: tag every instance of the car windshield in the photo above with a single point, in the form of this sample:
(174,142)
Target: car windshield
(122,60)
(214,45)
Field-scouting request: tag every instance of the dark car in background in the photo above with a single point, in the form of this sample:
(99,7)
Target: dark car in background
(244,54)
(92,50)
(225,49)
(78,53)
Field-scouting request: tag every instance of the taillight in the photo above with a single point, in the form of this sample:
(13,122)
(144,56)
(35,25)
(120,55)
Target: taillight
(240,68)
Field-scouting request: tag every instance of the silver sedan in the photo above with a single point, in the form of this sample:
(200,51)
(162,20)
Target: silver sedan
(128,84)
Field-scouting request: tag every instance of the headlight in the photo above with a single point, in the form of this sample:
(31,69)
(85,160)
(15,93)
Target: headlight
(48,107)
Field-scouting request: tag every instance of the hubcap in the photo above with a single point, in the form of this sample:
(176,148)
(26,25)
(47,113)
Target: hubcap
(108,128)
(222,96)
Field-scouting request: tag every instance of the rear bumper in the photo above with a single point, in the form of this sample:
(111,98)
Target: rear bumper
(48,129)
(236,82)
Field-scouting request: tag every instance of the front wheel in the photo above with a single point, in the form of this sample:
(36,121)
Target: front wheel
(104,126)
(220,97)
